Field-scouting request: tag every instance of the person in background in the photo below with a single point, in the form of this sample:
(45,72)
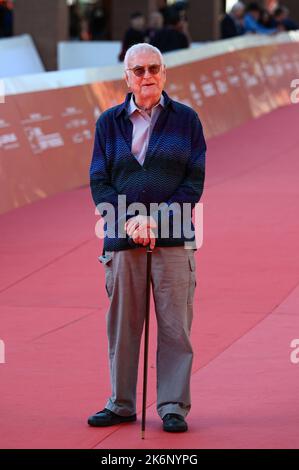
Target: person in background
(134,35)
(232,23)
(282,20)
(252,18)
(178,8)
(97,22)
(6,18)
(184,25)
(2,14)
(266,19)
(155,23)
(75,21)
(171,37)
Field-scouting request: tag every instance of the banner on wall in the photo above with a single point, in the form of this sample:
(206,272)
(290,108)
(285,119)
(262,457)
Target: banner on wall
(46,137)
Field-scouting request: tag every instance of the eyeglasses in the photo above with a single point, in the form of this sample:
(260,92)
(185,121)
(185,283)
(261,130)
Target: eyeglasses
(139,70)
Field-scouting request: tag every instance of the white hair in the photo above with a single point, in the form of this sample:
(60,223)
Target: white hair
(142,47)
(238,6)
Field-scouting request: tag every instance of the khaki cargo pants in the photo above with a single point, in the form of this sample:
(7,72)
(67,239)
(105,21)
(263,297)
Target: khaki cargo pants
(173,278)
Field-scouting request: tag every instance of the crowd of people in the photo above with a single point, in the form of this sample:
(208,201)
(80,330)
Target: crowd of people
(166,29)
(6,18)
(253,19)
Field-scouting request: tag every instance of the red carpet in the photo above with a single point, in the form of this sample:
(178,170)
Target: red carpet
(53,304)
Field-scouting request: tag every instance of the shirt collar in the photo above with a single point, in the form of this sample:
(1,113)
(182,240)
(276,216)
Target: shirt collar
(124,106)
(132,107)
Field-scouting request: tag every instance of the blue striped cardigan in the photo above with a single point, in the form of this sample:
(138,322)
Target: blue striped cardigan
(173,169)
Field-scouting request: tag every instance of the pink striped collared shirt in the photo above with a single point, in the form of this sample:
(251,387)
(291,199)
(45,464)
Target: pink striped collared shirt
(143,124)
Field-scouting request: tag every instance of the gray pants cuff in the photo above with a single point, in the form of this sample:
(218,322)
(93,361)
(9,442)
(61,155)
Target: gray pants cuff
(119,410)
(173,408)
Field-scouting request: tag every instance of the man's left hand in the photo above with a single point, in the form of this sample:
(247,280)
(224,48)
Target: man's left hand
(140,228)
(140,222)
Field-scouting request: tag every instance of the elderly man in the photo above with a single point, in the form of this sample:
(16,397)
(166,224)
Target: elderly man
(150,149)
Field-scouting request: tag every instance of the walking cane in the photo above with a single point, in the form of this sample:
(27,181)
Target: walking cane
(146,329)
(146,335)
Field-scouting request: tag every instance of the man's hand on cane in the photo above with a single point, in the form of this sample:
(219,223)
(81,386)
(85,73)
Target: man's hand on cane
(140,228)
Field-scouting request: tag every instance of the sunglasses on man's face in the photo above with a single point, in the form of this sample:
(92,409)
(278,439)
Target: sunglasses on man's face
(139,70)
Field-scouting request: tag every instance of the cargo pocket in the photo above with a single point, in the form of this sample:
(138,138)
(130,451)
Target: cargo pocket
(106,260)
(192,276)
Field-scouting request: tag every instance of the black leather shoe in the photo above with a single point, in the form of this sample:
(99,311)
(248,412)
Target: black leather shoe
(106,417)
(173,422)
